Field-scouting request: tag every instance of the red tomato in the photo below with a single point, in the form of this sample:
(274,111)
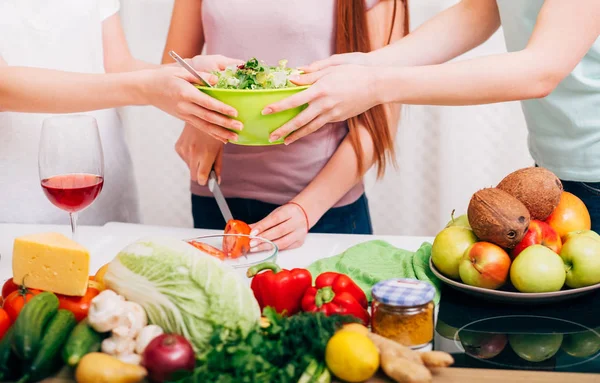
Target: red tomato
(8,287)
(78,305)
(235,247)
(5,323)
(14,302)
(208,249)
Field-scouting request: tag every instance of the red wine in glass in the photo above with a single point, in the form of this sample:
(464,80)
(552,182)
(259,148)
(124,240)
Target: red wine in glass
(71,163)
(72,192)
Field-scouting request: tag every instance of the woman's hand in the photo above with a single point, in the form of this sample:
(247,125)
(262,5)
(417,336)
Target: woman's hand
(200,152)
(337,93)
(169,88)
(209,63)
(355,58)
(286,226)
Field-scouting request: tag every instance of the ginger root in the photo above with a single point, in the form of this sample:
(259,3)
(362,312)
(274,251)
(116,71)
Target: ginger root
(437,359)
(405,365)
(403,370)
(394,348)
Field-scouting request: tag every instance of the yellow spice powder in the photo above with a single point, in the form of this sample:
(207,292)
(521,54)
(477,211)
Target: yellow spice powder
(408,326)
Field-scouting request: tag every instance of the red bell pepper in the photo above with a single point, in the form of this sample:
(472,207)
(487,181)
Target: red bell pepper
(280,289)
(336,293)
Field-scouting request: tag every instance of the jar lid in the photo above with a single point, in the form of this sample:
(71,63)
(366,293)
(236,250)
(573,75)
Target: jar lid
(403,292)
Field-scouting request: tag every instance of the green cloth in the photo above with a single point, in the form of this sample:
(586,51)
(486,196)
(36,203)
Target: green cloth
(374,261)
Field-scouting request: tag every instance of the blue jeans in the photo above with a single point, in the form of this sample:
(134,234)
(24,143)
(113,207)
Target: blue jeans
(350,219)
(589,193)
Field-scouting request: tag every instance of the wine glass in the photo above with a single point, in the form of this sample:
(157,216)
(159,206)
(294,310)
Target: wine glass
(71,163)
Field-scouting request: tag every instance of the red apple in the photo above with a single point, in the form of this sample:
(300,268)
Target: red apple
(539,233)
(484,265)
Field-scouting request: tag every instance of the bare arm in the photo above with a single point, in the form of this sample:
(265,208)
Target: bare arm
(319,196)
(25,89)
(449,34)
(563,34)
(186,35)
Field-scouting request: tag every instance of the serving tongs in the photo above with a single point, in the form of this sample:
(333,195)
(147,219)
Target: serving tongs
(189,68)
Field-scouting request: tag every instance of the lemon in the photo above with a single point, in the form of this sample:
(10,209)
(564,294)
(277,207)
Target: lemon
(351,356)
(356,327)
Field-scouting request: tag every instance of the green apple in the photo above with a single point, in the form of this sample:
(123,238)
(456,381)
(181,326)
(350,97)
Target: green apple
(449,247)
(577,233)
(581,255)
(538,269)
(462,220)
(535,347)
(581,344)
(445,330)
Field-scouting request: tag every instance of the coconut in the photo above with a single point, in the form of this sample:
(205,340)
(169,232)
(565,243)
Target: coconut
(497,217)
(537,188)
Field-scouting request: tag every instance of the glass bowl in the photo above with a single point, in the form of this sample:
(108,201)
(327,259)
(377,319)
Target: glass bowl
(266,251)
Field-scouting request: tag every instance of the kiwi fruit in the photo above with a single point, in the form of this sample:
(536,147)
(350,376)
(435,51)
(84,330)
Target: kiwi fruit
(497,217)
(537,188)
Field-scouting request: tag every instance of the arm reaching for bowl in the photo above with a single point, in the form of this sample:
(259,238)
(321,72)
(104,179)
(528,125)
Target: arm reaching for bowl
(127,82)
(530,73)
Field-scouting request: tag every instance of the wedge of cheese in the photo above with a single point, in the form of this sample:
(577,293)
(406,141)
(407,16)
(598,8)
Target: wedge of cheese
(51,262)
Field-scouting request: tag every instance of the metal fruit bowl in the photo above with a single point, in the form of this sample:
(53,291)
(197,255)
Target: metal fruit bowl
(514,297)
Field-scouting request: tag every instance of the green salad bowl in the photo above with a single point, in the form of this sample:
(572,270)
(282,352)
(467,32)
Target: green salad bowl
(249,105)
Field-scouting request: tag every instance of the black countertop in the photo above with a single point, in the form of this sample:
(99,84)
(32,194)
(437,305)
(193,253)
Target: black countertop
(562,336)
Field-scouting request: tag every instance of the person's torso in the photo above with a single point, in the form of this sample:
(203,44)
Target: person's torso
(564,127)
(62,35)
(301,31)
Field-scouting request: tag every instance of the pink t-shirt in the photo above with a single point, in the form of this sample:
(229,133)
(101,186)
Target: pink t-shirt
(301,31)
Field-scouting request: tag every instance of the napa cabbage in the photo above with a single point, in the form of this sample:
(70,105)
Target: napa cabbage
(183,290)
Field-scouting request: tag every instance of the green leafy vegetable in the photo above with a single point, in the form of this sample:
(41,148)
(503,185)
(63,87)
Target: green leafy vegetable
(183,290)
(279,353)
(256,75)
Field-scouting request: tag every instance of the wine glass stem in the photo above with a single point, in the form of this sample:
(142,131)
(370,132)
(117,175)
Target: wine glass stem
(73,217)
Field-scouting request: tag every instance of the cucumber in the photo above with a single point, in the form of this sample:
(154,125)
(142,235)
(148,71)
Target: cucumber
(8,360)
(30,324)
(45,362)
(83,340)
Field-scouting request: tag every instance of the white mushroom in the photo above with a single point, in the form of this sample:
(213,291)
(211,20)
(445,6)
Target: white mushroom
(145,336)
(106,311)
(130,358)
(132,320)
(118,345)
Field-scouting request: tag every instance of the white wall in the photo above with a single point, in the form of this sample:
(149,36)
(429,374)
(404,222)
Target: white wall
(444,153)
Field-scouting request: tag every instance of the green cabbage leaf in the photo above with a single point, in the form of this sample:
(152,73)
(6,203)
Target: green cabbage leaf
(183,290)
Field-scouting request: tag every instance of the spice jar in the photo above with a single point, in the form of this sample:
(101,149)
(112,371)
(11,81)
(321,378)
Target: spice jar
(402,310)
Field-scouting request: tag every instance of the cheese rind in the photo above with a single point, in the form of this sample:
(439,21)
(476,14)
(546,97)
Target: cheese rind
(51,262)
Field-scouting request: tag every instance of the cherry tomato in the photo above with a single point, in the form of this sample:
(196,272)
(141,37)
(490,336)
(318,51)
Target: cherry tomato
(5,323)
(208,249)
(78,305)
(14,302)
(235,247)
(8,287)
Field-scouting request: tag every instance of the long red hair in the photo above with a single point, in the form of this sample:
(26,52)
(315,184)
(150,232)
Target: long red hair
(352,35)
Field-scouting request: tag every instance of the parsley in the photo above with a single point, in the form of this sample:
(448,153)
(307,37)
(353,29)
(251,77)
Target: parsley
(277,354)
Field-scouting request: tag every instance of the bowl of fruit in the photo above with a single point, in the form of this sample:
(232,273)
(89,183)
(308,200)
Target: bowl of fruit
(249,88)
(524,241)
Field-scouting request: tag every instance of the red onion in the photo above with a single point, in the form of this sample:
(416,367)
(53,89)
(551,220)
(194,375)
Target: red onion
(167,354)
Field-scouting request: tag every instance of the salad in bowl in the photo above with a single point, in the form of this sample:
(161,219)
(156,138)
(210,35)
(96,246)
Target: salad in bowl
(249,88)
(256,75)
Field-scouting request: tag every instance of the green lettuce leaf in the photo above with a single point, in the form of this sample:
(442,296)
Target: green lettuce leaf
(183,290)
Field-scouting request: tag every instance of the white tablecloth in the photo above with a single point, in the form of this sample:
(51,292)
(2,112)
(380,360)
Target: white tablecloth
(105,242)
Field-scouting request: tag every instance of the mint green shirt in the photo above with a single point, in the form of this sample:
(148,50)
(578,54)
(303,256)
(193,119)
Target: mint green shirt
(564,128)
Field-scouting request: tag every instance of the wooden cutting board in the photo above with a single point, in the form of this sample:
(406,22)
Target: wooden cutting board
(458,375)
